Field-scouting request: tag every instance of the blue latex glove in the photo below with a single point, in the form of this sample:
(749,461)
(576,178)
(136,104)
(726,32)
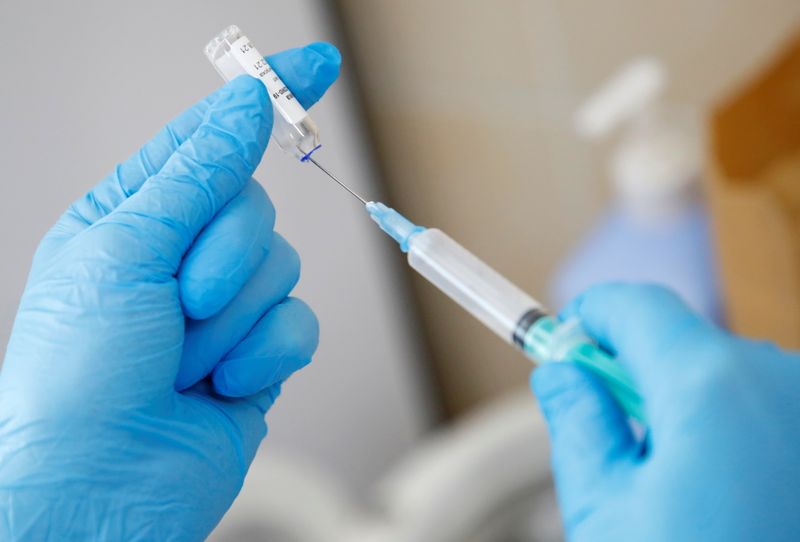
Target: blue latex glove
(155,331)
(722,458)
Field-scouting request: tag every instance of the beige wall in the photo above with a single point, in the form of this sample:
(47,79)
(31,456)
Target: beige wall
(470,105)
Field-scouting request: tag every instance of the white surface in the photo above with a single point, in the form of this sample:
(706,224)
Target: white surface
(115,73)
(485,478)
(463,477)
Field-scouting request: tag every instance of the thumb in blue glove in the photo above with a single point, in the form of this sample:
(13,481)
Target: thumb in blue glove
(155,331)
(724,435)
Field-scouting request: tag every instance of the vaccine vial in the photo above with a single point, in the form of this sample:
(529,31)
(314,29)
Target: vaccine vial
(233,54)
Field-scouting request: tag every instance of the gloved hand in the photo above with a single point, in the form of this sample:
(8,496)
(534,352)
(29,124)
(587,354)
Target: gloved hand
(721,460)
(155,331)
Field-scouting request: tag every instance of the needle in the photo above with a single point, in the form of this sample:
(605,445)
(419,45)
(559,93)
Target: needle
(340,183)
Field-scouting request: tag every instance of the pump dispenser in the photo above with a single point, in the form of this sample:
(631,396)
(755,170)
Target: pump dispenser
(657,228)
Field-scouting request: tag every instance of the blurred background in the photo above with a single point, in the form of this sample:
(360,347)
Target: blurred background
(563,142)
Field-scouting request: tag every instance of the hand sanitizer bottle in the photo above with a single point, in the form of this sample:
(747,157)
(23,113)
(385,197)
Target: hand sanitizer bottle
(657,230)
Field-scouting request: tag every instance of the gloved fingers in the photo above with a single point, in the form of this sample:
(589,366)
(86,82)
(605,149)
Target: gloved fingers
(264,399)
(207,341)
(590,436)
(154,227)
(647,327)
(281,343)
(128,177)
(226,253)
(244,414)
(307,71)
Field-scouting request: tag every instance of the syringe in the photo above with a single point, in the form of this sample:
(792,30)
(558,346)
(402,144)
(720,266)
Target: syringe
(505,309)
(512,314)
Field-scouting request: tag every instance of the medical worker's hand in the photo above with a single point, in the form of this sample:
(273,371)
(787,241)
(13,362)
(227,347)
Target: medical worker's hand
(723,455)
(155,331)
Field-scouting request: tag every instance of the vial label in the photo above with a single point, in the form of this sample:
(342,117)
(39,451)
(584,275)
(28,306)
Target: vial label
(251,60)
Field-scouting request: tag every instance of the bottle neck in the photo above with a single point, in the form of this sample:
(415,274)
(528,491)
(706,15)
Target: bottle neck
(655,167)
(660,208)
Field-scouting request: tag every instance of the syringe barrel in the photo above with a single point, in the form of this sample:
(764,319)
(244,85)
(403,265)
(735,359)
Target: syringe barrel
(515,316)
(478,288)
(233,54)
